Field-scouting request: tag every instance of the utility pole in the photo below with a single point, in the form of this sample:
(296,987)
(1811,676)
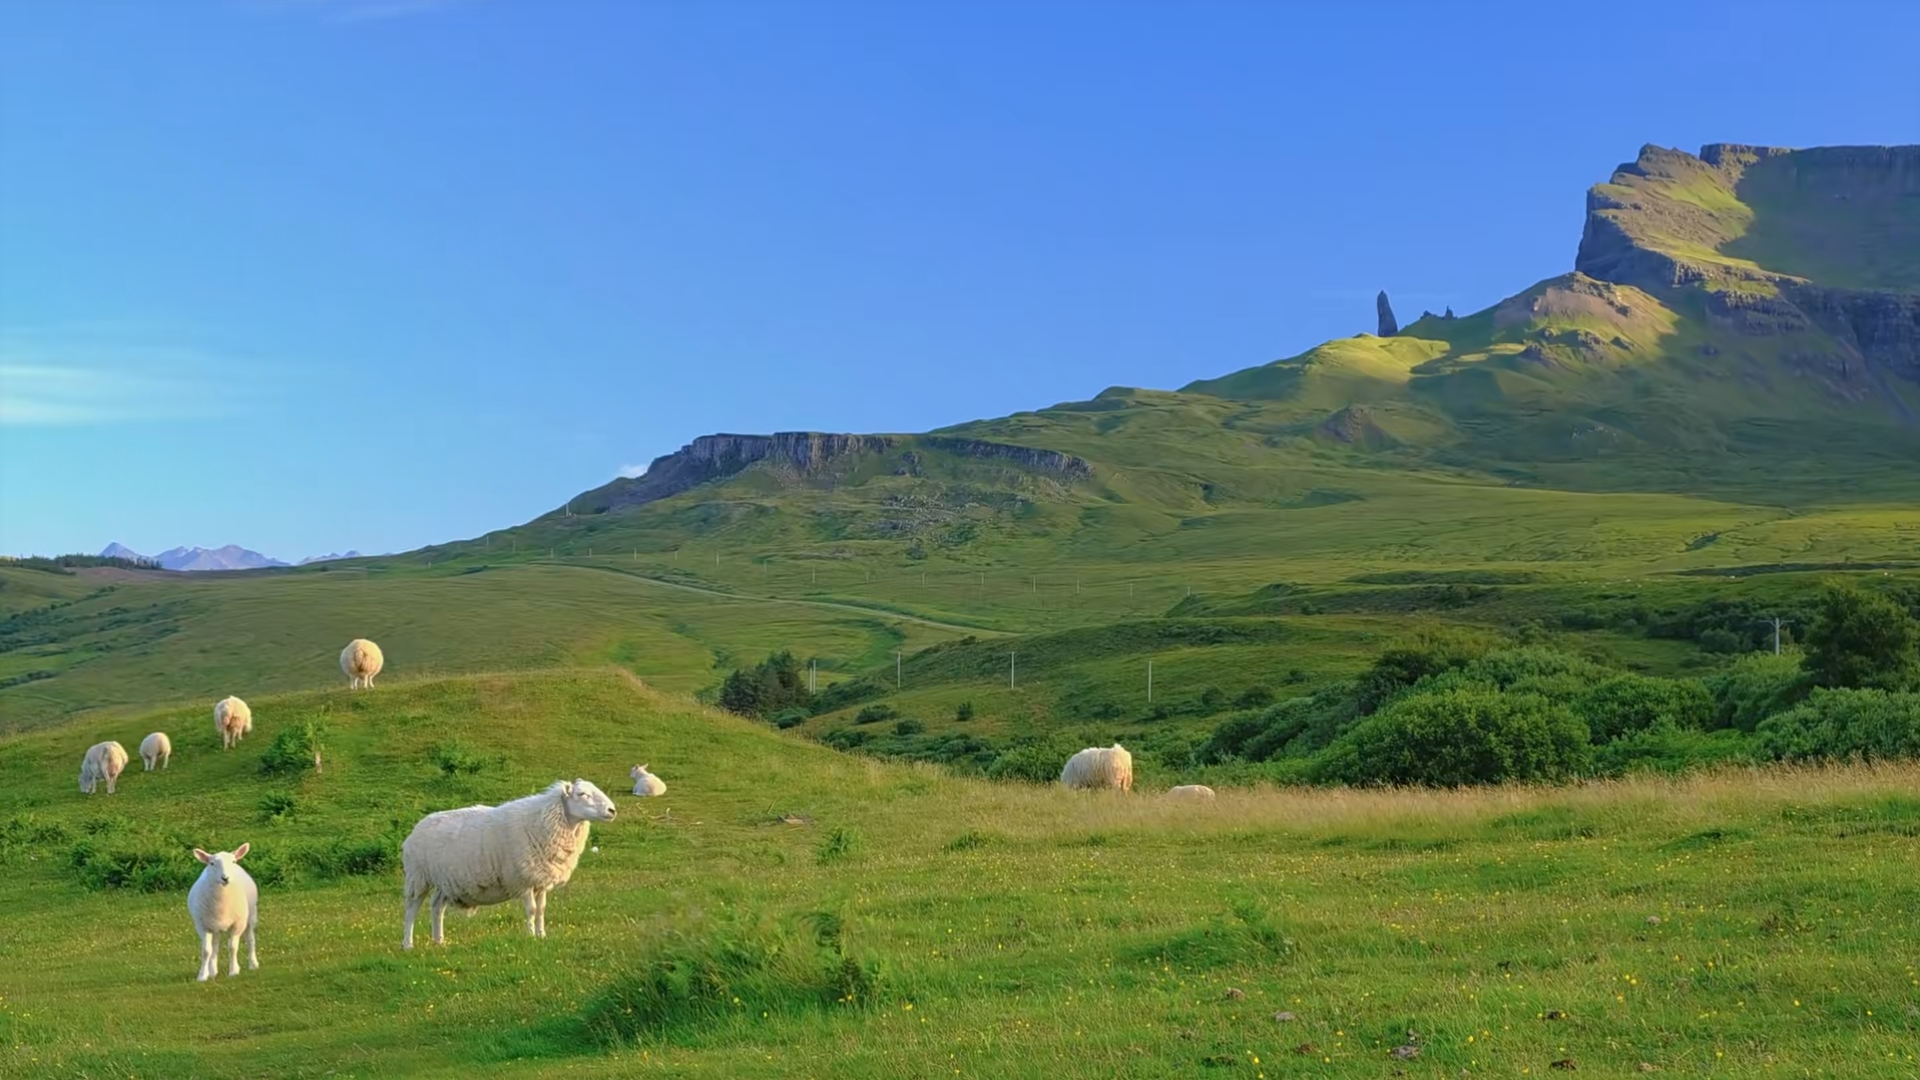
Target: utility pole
(896,669)
(1778,622)
(813,674)
(1009,671)
(1149,682)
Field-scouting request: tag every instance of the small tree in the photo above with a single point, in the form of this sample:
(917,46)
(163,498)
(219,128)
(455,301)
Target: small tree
(1861,639)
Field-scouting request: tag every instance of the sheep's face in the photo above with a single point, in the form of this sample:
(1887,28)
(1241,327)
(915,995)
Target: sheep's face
(585,802)
(221,864)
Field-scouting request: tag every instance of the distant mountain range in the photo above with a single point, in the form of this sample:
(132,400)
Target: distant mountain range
(231,557)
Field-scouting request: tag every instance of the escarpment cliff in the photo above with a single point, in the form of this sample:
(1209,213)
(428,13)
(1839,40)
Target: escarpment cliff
(801,456)
(1779,241)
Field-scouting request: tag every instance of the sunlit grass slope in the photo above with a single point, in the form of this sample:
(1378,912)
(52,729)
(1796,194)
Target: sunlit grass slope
(1741,924)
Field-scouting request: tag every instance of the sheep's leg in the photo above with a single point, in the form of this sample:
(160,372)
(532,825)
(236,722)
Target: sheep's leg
(439,919)
(110,782)
(166,759)
(233,953)
(253,951)
(206,955)
(413,912)
(531,901)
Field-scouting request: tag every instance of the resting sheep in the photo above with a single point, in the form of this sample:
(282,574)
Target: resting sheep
(361,660)
(231,720)
(156,750)
(645,783)
(224,901)
(103,761)
(483,855)
(1190,791)
(1099,767)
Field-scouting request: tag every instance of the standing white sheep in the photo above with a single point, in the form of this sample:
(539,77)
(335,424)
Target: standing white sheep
(481,855)
(361,660)
(102,761)
(156,750)
(645,783)
(231,720)
(224,901)
(1099,767)
(1190,791)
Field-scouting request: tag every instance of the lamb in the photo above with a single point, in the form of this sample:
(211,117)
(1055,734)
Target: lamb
(231,720)
(481,855)
(1099,767)
(103,761)
(645,783)
(361,660)
(156,748)
(224,901)
(1190,791)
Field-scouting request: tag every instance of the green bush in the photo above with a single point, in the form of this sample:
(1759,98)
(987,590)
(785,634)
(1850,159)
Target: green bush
(875,713)
(1459,737)
(1753,688)
(740,969)
(792,718)
(1627,704)
(1844,724)
(1862,639)
(1409,662)
(963,712)
(1254,697)
(1670,750)
(1036,763)
(908,727)
(277,807)
(454,758)
(293,749)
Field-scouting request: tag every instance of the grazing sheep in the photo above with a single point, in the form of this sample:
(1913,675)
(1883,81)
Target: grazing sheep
(361,660)
(224,901)
(103,761)
(645,783)
(483,855)
(1190,791)
(232,720)
(156,748)
(1099,767)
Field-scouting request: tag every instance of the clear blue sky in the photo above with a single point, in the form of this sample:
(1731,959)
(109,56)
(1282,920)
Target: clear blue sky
(315,274)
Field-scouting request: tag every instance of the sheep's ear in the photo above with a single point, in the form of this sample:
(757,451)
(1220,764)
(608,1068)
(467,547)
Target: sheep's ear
(202,856)
(566,787)
(240,852)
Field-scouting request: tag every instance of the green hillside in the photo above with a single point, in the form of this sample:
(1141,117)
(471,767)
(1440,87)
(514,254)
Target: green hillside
(787,910)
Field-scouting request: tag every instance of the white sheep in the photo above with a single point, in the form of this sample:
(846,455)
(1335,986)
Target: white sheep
(361,660)
(483,855)
(224,901)
(1099,767)
(1190,791)
(156,750)
(103,761)
(645,783)
(231,720)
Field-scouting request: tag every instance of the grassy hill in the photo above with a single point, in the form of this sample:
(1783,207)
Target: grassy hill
(787,910)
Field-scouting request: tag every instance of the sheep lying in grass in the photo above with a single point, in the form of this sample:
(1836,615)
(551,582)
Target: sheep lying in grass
(483,855)
(232,720)
(361,660)
(645,783)
(224,901)
(1190,791)
(1099,767)
(103,761)
(156,750)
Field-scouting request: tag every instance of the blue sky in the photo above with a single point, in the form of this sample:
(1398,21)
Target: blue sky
(308,275)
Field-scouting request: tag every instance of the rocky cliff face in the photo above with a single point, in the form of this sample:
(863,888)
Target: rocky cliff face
(1763,232)
(806,454)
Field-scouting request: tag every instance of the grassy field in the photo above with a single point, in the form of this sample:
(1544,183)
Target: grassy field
(1724,925)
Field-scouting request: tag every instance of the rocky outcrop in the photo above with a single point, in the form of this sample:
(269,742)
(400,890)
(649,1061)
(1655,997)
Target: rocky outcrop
(1649,226)
(804,454)
(1065,466)
(1389,326)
